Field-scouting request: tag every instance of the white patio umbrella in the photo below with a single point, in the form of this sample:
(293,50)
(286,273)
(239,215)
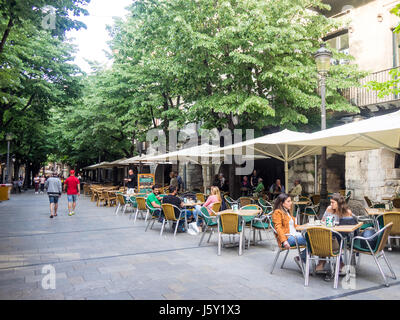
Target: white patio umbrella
(276,145)
(373,133)
(199,154)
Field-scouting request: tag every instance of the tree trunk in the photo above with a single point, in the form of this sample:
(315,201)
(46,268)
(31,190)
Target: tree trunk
(6,34)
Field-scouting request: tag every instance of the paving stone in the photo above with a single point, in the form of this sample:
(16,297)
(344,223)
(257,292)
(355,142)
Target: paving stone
(98,255)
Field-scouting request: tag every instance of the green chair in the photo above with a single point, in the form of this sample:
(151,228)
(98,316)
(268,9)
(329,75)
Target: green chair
(232,224)
(261,222)
(265,205)
(154,215)
(362,245)
(230,202)
(210,223)
(374,204)
(248,219)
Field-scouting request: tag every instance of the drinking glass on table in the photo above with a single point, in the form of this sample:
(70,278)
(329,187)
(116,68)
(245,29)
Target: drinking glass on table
(311,220)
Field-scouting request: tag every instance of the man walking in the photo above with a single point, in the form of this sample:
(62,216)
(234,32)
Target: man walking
(54,190)
(73,188)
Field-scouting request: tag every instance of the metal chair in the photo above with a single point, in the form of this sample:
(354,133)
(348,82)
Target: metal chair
(386,218)
(210,223)
(216,206)
(120,203)
(373,204)
(169,216)
(154,215)
(244,201)
(230,202)
(140,208)
(320,246)
(312,208)
(281,249)
(376,252)
(232,224)
(259,222)
(265,205)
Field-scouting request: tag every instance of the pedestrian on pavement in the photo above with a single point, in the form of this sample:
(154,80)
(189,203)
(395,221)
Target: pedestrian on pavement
(54,190)
(36,181)
(42,182)
(73,189)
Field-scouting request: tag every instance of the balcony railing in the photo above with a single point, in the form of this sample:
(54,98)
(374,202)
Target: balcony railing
(363,97)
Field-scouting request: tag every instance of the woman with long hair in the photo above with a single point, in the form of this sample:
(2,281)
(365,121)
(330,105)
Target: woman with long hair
(215,196)
(338,208)
(285,226)
(340,211)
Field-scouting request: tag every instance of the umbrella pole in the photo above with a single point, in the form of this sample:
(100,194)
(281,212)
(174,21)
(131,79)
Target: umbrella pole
(286,170)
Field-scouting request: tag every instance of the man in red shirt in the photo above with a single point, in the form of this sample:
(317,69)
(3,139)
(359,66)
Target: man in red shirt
(73,188)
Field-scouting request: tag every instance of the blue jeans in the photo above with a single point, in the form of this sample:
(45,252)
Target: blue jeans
(72,197)
(302,242)
(196,212)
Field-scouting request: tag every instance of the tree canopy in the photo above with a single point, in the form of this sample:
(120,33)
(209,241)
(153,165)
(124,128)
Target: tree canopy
(223,64)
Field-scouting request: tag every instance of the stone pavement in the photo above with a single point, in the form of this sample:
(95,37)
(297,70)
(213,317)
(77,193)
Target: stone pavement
(98,255)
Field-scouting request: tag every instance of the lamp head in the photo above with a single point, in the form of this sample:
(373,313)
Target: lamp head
(323,59)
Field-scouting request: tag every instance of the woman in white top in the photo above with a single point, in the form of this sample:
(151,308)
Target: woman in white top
(339,210)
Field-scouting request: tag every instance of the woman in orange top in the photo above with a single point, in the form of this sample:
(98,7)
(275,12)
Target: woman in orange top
(285,226)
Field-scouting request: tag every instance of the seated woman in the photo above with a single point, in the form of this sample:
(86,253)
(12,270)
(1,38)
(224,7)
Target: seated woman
(285,226)
(341,213)
(214,197)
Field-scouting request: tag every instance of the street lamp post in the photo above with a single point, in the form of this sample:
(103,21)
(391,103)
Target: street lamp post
(8,139)
(323,60)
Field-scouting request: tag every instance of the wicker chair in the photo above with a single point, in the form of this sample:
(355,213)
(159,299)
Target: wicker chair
(244,201)
(120,203)
(200,197)
(232,224)
(216,206)
(141,208)
(169,216)
(396,203)
(376,252)
(320,246)
(101,197)
(111,199)
(385,219)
